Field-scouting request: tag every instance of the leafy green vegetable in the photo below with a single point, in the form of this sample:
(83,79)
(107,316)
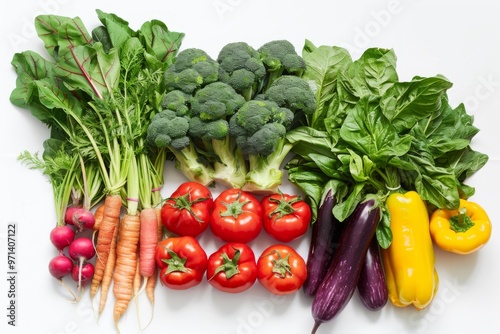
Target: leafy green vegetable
(375,135)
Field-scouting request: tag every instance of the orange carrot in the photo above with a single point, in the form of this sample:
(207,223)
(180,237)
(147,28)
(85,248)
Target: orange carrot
(98,214)
(148,241)
(137,278)
(126,264)
(108,272)
(109,222)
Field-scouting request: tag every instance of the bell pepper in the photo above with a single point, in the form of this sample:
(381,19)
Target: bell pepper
(461,231)
(409,261)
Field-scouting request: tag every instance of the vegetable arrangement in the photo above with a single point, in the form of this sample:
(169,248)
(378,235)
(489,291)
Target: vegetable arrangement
(382,163)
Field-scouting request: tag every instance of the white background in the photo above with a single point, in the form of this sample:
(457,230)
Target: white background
(459,39)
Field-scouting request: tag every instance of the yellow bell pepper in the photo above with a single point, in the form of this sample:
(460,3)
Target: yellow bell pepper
(409,261)
(461,231)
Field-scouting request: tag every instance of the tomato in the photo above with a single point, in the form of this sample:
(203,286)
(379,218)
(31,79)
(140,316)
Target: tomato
(281,269)
(286,217)
(232,268)
(182,262)
(236,216)
(187,211)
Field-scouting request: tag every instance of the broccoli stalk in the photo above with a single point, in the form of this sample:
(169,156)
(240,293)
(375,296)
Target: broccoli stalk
(230,166)
(265,172)
(188,162)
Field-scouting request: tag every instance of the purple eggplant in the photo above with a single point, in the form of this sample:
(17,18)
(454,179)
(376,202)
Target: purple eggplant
(324,241)
(372,287)
(341,279)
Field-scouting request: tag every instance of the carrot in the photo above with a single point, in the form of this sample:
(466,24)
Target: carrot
(108,272)
(153,279)
(109,222)
(98,214)
(126,264)
(148,241)
(137,278)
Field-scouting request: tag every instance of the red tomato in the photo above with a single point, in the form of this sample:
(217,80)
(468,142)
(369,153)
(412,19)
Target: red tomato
(281,270)
(187,211)
(236,216)
(182,262)
(232,268)
(286,217)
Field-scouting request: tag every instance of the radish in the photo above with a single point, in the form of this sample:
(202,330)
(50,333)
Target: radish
(81,250)
(59,267)
(79,217)
(83,274)
(61,236)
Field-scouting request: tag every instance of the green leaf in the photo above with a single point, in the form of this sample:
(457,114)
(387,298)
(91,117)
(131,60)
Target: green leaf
(345,208)
(117,28)
(323,66)
(160,42)
(90,69)
(369,133)
(405,103)
(372,74)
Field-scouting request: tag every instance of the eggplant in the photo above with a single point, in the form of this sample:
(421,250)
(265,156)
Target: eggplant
(324,241)
(341,279)
(372,287)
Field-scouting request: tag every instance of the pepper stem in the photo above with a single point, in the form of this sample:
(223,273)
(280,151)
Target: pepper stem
(461,222)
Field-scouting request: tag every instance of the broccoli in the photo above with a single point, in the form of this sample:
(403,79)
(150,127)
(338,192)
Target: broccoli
(192,69)
(169,131)
(240,67)
(294,93)
(280,58)
(177,101)
(259,127)
(211,108)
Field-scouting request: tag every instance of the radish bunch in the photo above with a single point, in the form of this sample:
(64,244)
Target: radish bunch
(74,253)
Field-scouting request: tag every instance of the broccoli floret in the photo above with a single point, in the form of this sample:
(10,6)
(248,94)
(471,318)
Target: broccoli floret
(177,101)
(259,127)
(192,69)
(211,108)
(240,66)
(215,101)
(169,131)
(294,93)
(280,58)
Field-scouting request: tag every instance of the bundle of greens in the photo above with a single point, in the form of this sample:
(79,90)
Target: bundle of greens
(372,134)
(97,93)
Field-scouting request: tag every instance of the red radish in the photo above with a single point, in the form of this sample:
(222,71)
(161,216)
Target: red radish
(81,250)
(60,266)
(61,236)
(84,274)
(79,217)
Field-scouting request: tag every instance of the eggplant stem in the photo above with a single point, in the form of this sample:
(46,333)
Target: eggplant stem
(316,326)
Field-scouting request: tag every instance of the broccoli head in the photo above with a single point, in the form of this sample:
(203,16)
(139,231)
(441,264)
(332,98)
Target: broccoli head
(193,68)
(240,67)
(280,55)
(216,101)
(168,130)
(177,101)
(258,125)
(294,93)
